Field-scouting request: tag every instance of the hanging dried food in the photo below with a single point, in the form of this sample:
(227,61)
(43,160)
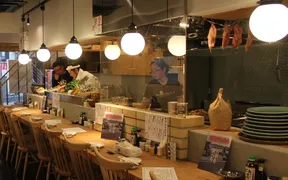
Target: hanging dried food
(249,41)
(212,37)
(226,35)
(237,39)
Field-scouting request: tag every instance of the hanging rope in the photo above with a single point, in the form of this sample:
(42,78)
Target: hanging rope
(43,29)
(132,10)
(73,20)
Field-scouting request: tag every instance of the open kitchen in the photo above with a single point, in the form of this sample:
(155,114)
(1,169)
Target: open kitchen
(131,89)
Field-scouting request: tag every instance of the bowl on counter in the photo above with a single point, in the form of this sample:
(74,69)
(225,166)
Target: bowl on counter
(230,175)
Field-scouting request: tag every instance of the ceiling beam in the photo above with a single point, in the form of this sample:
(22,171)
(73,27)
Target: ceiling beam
(238,14)
(9,47)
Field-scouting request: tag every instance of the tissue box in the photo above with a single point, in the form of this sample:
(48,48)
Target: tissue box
(130,151)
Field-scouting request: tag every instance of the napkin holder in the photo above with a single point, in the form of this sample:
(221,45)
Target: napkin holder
(127,149)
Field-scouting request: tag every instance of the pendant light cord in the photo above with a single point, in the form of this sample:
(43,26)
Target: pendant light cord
(132,10)
(23,29)
(43,31)
(167,3)
(73,20)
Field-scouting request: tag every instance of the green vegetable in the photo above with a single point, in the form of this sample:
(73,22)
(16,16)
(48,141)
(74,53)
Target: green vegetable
(74,84)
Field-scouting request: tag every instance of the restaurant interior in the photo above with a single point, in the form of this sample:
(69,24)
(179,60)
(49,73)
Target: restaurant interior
(152,90)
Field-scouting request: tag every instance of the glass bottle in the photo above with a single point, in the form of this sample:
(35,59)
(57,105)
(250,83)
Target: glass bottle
(260,173)
(250,168)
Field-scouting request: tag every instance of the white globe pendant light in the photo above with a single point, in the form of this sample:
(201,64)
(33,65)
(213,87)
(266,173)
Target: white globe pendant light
(268,22)
(112,52)
(132,43)
(73,50)
(23,58)
(43,54)
(177,45)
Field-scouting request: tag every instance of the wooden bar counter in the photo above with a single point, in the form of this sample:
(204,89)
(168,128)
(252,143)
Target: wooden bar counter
(185,170)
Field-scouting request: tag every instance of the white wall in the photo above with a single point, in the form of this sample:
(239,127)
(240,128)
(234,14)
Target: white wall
(10,22)
(207,7)
(58,23)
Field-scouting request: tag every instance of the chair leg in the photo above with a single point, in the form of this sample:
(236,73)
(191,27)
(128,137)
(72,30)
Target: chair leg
(25,166)
(2,143)
(16,160)
(48,170)
(19,161)
(38,171)
(58,177)
(13,153)
(8,148)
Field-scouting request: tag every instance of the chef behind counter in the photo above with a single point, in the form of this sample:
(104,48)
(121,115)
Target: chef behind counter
(87,82)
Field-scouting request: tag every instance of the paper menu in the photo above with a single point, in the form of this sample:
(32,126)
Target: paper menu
(99,113)
(156,127)
(53,121)
(73,130)
(160,172)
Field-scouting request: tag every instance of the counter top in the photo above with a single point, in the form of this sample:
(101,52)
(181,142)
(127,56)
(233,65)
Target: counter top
(185,170)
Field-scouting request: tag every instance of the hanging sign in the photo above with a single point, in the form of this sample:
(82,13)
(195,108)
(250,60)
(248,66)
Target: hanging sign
(97,27)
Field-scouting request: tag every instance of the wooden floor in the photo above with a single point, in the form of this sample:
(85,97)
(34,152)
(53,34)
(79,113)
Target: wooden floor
(7,172)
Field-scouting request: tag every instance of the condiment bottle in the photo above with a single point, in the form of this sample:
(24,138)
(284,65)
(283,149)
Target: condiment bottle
(142,146)
(147,147)
(80,118)
(151,150)
(159,151)
(156,148)
(260,173)
(133,136)
(84,119)
(250,168)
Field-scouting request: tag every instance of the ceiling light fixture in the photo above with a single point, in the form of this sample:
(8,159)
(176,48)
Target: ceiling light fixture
(43,54)
(28,20)
(183,23)
(112,52)
(132,42)
(177,43)
(73,50)
(268,22)
(23,58)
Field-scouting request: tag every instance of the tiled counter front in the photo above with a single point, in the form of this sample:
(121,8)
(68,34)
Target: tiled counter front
(178,127)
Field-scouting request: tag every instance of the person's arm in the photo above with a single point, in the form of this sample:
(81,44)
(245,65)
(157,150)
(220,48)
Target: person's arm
(55,78)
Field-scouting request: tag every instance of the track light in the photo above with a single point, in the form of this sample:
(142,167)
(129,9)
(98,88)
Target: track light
(28,20)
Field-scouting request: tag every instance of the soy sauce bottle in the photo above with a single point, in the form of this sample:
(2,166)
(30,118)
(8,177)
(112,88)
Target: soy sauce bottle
(250,168)
(260,175)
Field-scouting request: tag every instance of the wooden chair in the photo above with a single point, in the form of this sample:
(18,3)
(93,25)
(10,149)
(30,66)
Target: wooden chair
(26,146)
(5,132)
(44,153)
(63,165)
(80,159)
(7,114)
(112,170)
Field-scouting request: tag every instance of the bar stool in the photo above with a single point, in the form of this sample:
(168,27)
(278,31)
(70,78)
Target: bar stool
(7,114)
(5,132)
(112,170)
(80,159)
(63,166)
(25,146)
(44,153)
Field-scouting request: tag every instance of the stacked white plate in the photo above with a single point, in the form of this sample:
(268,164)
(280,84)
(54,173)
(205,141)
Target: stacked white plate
(269,123)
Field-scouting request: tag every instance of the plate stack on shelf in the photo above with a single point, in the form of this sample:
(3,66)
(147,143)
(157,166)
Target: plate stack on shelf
(267,125)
